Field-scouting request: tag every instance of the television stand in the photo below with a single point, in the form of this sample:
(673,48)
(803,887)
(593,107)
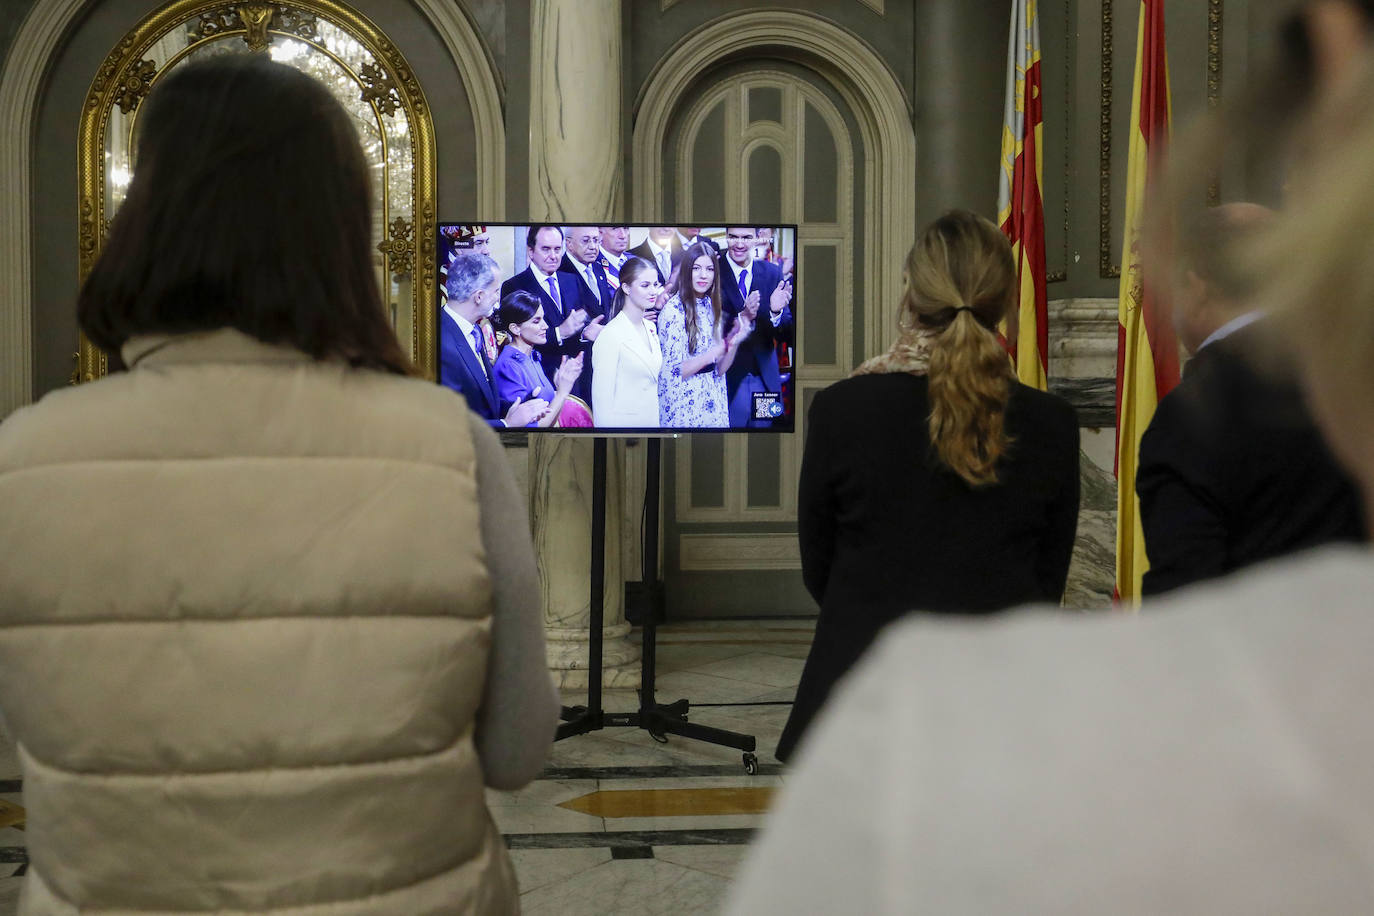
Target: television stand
(659,719)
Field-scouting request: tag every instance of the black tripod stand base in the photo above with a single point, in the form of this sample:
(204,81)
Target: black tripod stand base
(659,720)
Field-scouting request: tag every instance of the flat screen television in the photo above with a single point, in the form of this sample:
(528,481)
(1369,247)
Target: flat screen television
(620,330)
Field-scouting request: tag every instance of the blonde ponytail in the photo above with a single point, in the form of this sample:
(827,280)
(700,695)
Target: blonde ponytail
(960,283)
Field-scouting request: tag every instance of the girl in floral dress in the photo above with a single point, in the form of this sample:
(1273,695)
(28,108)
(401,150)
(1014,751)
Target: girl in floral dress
(691,384)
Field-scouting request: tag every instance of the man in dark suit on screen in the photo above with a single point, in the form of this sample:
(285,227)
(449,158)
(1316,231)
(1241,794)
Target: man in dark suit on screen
(755,292)
(472,290)
(687,236)
(662,249)
(1232,468)
(558,292)
(582,260)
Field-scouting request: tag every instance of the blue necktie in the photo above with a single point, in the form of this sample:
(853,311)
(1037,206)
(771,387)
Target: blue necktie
(480,350)
(553,292)
(744,283)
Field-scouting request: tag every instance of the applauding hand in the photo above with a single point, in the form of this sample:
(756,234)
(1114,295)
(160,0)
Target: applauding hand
(567,373)
(751,305)
(593,328)
(782,294)
(574,323)
(523,413)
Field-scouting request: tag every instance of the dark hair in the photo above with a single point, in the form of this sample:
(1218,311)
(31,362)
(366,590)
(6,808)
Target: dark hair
(533,235)
(249,209)
(687,294)
(632,268)
(517,308)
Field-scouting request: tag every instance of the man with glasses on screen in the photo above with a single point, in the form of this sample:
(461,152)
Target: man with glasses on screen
(582,260)
(753,381)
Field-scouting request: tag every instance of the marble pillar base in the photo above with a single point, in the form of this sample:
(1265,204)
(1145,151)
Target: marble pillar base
(624,677)
(566,650)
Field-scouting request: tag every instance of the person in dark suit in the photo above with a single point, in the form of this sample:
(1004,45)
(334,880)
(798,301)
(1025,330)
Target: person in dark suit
(614,241)
(582,260)
(663,249)
(473,293)
(746,284)
(687,236)
(1232,467)
(932,480)
(559,293)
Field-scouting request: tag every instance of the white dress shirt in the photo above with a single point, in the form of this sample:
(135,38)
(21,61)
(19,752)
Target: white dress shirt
(736,270)
(466,327)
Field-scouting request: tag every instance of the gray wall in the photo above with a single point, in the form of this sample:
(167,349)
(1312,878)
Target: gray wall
(12,13)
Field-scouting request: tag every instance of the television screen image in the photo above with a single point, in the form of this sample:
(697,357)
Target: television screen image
(631,330)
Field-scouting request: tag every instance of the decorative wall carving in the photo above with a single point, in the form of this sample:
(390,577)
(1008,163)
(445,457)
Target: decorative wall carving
(399,246)
(135,85)
(379,89)
(1215,8)
(256,17)
(1105,268)
(1214,14)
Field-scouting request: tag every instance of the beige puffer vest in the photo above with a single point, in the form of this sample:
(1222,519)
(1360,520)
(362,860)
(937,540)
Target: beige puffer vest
(244,620)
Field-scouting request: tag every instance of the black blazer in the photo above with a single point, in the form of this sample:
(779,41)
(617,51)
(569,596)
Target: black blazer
(648,252)
(1233,470)
(758,353)
(885,530)
(460,370)
(588,300)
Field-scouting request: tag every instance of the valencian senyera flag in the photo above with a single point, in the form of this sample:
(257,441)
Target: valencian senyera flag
(1020,209)
(1147,348)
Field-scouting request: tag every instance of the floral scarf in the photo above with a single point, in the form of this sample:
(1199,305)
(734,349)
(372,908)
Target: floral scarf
(909,353)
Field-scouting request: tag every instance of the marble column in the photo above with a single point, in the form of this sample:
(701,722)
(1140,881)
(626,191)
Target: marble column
(575,174)
(958,104)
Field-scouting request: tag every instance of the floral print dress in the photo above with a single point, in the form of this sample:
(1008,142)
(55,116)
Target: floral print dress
(700,399)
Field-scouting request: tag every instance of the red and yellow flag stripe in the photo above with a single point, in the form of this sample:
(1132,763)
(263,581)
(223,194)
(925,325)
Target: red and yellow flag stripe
(1021,211)
(1147,364)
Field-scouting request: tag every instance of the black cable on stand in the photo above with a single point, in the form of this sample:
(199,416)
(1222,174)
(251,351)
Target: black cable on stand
(659,720)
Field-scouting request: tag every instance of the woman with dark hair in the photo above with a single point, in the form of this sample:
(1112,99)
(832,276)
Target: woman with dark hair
(696,352)
(518,373)
(931,480)
(267,631)
(626,357)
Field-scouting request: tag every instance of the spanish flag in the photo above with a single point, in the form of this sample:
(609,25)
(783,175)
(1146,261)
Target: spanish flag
(1147,349)
(1020,210)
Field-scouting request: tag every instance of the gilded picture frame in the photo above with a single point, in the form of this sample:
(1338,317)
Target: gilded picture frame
(341,39)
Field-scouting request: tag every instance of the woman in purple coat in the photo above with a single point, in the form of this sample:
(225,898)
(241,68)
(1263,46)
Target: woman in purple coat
(517,370)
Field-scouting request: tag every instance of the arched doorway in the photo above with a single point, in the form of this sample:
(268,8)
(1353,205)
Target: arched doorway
(792,120)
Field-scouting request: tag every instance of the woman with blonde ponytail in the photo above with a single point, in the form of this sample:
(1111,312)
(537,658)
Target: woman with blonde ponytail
(931,479)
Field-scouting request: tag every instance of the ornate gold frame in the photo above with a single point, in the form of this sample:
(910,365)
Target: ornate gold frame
(125,77)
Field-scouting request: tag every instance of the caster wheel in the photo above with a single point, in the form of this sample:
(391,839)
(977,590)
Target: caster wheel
(751,764)
(660,737)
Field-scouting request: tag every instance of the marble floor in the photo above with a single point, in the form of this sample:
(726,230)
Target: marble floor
(620,823)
